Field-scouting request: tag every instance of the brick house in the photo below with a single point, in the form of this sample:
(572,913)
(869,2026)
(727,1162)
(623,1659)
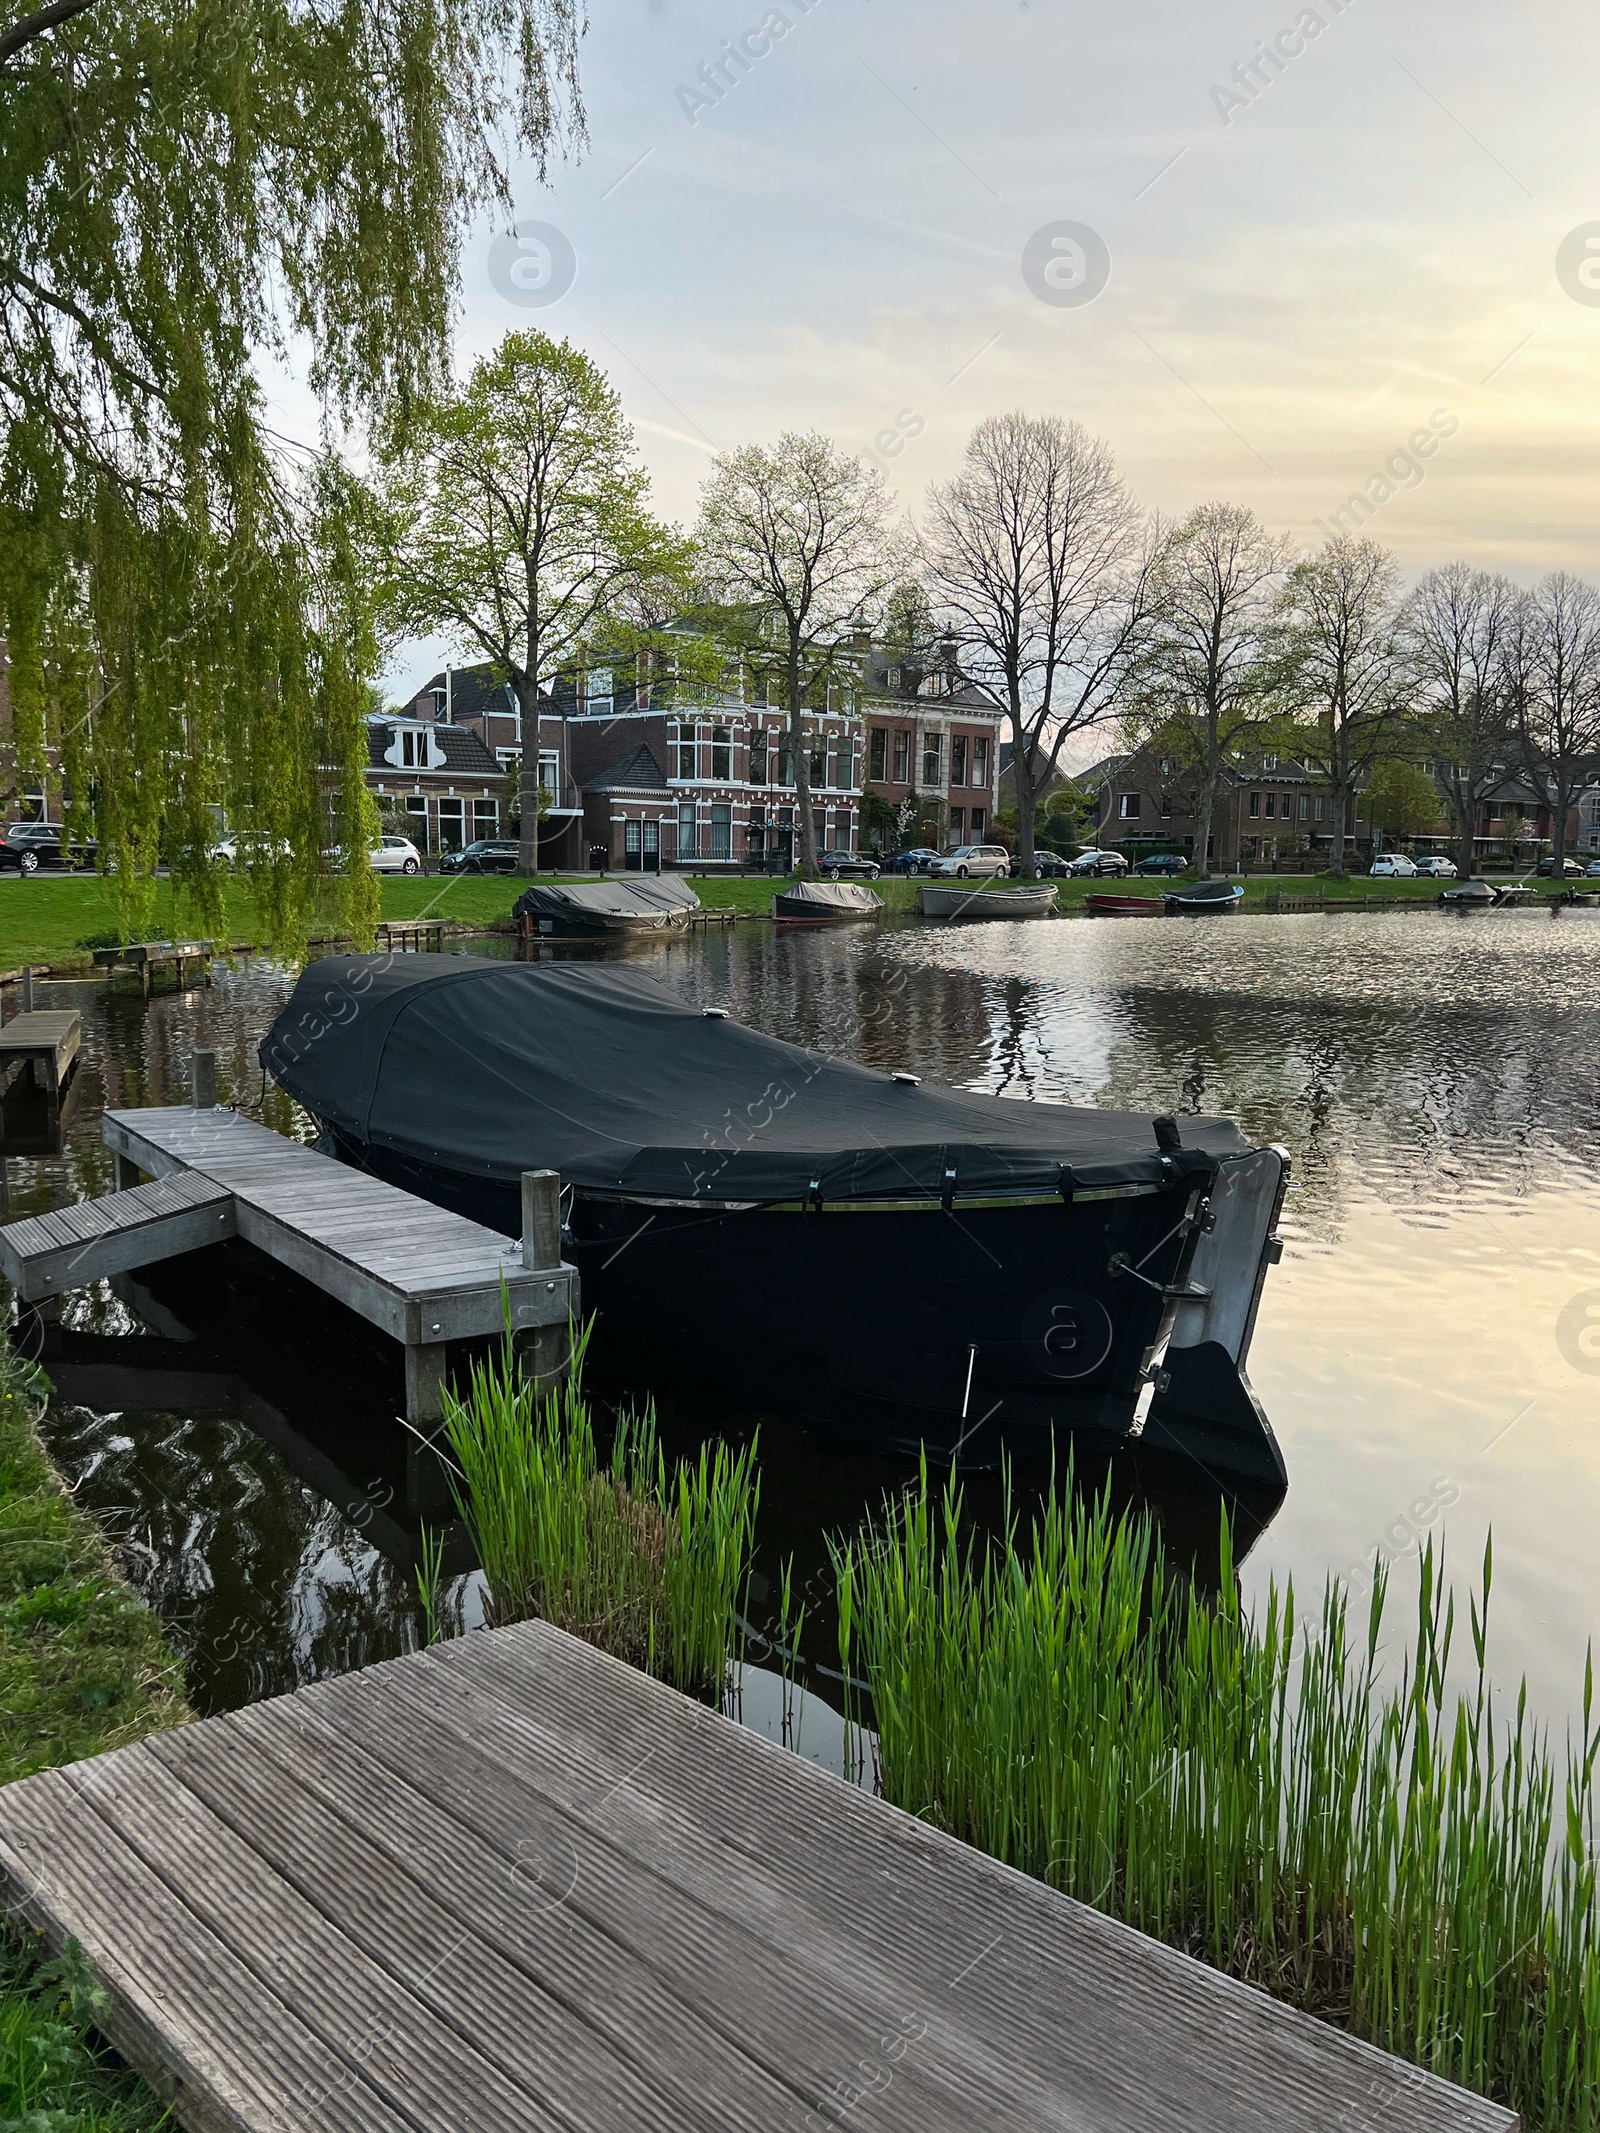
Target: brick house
(1264,811)
(933,738)
(1515,821)
(476,730)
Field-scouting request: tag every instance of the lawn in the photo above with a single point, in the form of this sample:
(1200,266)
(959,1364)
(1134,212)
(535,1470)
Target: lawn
(83,1667)
(54,919)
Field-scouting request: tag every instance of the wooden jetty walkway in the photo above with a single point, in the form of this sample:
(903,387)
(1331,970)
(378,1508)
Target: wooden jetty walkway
(144,958)
(508,1885)
(43,1043)
(420,1274)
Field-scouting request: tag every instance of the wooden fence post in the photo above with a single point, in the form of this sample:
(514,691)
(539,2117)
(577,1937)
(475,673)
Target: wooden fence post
(546,1346)
(203,1081)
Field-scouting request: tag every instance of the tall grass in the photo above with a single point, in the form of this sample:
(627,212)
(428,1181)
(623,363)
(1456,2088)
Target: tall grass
(647,1561)
(1403,1859)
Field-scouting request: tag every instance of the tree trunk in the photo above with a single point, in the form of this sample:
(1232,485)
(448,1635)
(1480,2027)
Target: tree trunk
(1027,802)
(1465,810)
(1558,835)
(528,779)
(1341,804)
(1202,824)
(800,766)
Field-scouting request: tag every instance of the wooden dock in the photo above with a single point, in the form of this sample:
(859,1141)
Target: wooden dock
(422,1275)
(143,959)
(508,1885)
(43,1043)
(412,933)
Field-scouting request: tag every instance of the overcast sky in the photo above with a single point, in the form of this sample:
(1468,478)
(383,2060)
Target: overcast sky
(1299,278)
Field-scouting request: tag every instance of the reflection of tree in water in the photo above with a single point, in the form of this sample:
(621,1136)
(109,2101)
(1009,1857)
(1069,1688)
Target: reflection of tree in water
(262,1584)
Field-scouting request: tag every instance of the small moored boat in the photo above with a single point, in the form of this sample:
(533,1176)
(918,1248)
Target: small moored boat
(1125,906)
(825,903)
(1203,899)
(745,1210)
(583,910)
(1478,895)
(998,899)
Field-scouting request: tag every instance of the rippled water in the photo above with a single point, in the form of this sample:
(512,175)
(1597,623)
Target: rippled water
(1425,1350)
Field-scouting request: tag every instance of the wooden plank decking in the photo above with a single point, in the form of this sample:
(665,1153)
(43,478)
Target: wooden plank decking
(70,1247)
(47,1042)
(421,1274)
(510,1885)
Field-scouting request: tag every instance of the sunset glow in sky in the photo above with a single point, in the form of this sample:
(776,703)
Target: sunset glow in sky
(1329,228)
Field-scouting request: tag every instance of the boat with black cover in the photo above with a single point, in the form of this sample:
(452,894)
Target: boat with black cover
(898,1263)
(582,910)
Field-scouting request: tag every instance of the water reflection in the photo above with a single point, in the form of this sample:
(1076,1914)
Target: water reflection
(1438,1085)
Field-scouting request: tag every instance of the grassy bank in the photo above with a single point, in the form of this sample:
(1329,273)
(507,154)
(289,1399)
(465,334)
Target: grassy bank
(649,1563)
(48,919)
(1416,1867)
(83,1668)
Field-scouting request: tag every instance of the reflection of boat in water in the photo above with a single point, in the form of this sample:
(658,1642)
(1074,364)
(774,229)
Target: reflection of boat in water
(1125,906)
(825,903)
(576,910)
(782,1222)
(1478,895)
(1203,899)
(1000,899)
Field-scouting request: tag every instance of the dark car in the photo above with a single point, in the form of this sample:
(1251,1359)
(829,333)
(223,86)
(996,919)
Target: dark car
(917,861)
(28,846)
(488,855)
(1163,863)
(1570,869)
(843,866)
(1050,866)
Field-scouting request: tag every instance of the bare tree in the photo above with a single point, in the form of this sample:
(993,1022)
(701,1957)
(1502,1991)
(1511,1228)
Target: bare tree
(796,549)
(1340,613)
(1457,626)
(1553,673)
(1040,567)
(1210,677)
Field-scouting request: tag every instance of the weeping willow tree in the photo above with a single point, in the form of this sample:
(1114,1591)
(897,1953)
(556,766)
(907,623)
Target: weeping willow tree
(190,189)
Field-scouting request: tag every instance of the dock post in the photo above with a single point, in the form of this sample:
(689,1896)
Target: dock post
(27,988)
(127,1172)
(203,1081)
(546,1346)
(428,1492)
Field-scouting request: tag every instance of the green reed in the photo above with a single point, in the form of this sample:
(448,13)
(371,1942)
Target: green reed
(1385,1852)
(647,1561)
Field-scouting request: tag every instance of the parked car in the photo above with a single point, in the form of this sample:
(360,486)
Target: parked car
(239,851)
(919,860)
(1050,866)
(1100,863)
(485,855)
(28,846)
(1594,868)
(395,855)
(1437,868)
(1393,866)
(1162,863)
(1570,869)
(847,866)
(975,860)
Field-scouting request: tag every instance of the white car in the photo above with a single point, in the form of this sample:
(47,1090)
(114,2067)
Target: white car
(235,851)
(1394,866)
(974,859)
(395,855)
(1437,868)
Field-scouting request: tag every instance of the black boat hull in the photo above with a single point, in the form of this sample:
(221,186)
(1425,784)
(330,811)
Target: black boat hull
(976,1332)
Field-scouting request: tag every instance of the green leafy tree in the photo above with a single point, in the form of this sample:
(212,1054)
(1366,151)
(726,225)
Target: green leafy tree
(797,552)
(519,527)
(1401,800)
(188,187)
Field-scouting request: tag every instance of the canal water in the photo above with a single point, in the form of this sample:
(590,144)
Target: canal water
(1428,1352)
